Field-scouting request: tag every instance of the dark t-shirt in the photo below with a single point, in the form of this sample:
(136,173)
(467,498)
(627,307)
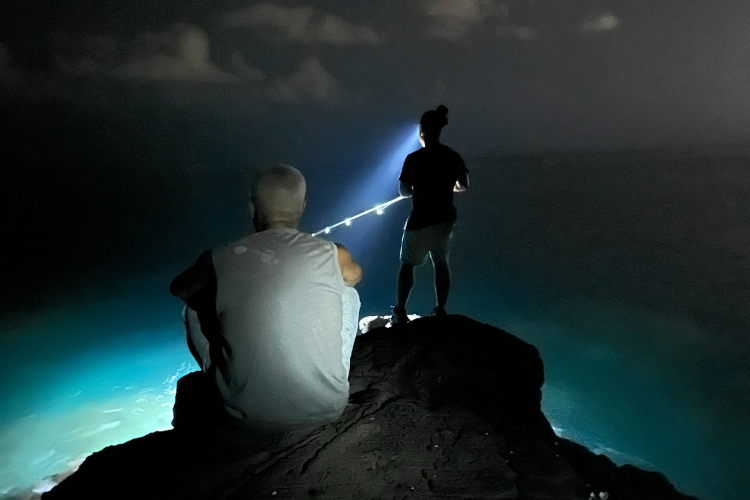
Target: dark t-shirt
(432,172)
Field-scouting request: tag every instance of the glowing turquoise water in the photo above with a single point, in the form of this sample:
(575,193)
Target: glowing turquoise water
(96,375)
(73,398)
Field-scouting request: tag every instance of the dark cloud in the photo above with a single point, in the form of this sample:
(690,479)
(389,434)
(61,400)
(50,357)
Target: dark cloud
(600,22)
(532,74)
(245,71)
(454,19)
(181,53)
(301,24)
(311,81)
(523,33)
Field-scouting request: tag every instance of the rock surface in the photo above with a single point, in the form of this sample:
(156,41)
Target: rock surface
(439,408)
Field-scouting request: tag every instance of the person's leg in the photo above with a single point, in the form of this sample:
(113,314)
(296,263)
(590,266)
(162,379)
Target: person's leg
(413,253)
(442,282)
(405,284)
(351,306)
(196,340)
(439,252)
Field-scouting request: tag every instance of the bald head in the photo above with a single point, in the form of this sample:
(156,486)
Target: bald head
(278,197)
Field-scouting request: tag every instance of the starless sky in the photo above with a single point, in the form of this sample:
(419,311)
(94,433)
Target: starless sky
(526,73)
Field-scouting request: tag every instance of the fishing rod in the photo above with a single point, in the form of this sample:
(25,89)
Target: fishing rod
(348,221)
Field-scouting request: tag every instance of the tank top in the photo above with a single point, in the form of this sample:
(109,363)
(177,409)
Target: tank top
(280,300)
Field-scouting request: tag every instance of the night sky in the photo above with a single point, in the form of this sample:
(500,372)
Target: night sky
(608,221)
(529,74)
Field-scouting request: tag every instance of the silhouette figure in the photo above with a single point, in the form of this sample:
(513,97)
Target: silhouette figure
(430,176)
(272,317)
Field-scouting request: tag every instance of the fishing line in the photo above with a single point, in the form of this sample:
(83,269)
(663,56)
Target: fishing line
(348,221)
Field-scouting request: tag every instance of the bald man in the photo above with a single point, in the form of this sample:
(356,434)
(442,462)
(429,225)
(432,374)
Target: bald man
(272,317)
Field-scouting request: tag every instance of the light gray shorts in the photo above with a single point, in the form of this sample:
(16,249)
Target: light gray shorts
(435,240)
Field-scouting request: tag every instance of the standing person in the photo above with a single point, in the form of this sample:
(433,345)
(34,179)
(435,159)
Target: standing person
(272,317)
(430,176)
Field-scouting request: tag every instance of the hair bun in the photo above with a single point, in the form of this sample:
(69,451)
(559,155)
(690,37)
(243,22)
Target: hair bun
(435,118)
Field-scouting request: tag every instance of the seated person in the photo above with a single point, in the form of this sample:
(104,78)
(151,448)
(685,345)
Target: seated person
(272,318)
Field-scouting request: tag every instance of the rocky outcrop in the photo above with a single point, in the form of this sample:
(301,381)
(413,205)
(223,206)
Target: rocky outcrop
(439,408)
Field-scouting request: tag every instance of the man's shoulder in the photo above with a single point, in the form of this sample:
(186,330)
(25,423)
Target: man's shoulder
(271,238)
(238,241)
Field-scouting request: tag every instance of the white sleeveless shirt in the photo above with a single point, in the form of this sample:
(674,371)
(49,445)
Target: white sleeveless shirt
(290,323)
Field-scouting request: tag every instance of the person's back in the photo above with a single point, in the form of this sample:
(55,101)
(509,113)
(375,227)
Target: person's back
(271,318)
(280,294)
(430,177)
(432,173)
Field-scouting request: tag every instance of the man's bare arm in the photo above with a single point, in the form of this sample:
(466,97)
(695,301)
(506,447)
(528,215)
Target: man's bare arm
(193,279)
(350,270)
(462,184)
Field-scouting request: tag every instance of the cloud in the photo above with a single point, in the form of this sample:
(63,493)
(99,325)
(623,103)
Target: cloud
(599,23)
(302,24)
(523,33)
(179,54)
(245,71)
(311,81)
(452,19)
